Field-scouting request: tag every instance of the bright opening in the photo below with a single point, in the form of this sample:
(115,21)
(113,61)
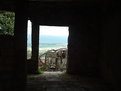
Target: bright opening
(29,41)
(52,37)
(53,48)
(53,41)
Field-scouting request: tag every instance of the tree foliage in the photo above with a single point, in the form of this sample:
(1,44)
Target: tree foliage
(7,23)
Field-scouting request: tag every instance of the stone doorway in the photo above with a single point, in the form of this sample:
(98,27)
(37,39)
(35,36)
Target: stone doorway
(52,50)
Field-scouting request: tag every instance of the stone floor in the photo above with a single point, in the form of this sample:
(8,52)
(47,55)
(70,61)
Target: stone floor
(58,81)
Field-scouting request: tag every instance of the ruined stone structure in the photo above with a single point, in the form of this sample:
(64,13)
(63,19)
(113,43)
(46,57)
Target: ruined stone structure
(53,60)
(94,47)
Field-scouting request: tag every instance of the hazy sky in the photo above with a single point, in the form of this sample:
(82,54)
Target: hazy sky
(51,30)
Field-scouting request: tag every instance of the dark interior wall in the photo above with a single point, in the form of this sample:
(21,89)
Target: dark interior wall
(93,44)
(13,53)
(83,42)
(20,34)
(110,55)
(7,63)
(13,56)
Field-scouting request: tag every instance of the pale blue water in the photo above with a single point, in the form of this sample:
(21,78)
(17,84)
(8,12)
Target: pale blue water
(49,42)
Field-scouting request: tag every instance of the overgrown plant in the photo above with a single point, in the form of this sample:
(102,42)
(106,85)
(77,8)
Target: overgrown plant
(40,71)
(7,23)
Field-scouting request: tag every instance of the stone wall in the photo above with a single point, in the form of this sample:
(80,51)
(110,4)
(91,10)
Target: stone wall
(110,55)
(31,67)
(83,44)
(94,45)
(7,63)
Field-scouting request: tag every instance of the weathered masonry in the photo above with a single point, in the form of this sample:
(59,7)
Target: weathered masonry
(94,47)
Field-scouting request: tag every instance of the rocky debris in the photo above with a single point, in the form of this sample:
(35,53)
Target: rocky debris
(53,60)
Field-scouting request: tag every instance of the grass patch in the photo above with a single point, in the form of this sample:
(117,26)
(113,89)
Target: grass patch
(40,71)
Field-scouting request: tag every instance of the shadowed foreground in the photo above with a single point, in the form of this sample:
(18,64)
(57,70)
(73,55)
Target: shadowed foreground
(58,81)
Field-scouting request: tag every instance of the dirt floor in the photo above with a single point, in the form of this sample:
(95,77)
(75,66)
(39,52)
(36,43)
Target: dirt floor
(60,81)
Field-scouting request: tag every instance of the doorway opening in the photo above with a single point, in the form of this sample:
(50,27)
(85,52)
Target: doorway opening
(53,41)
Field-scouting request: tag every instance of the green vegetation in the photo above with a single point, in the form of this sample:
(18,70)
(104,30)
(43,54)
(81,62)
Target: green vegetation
(39,71)
(7,23)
